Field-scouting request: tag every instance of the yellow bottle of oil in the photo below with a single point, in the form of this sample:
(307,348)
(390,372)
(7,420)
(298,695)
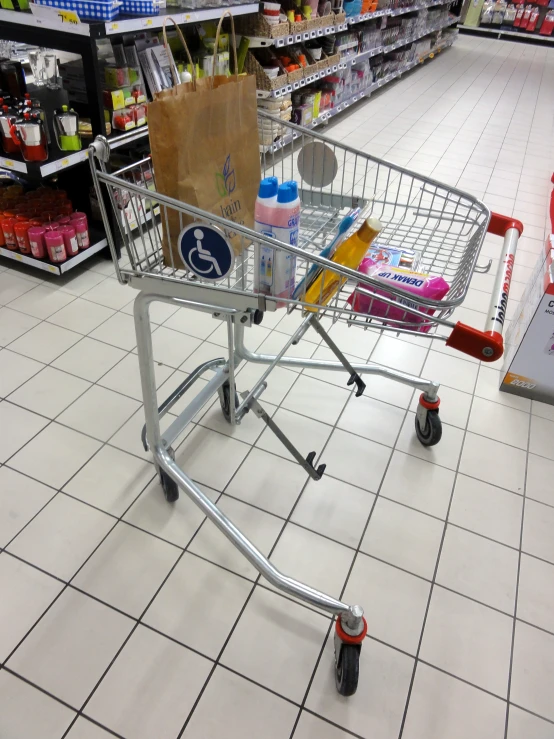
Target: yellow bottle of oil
(350,254)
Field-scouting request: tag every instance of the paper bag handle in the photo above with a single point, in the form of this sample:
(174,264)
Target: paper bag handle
(170,55)
(234,40)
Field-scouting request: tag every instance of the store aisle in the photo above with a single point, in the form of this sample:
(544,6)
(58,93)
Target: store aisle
(123,612)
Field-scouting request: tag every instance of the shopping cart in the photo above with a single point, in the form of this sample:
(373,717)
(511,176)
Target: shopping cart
(445,226)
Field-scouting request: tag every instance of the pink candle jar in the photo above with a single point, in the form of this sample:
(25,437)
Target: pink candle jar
(55,246)
(50,225)
(69,239)
(36,241)
(63,220)
(78,215)
(81,231)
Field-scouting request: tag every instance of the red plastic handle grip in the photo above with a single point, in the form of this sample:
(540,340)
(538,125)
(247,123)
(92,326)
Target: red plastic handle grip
(487,346)
(499,225)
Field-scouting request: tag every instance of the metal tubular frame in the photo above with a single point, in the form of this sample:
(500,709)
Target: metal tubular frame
(351,616)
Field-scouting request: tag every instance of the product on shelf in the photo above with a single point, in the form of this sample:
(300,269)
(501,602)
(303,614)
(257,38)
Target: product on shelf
(29,131)
(41,223)
(66,129)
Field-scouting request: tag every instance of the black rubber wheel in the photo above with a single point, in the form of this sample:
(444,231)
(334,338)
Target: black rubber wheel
(225,400)
(170,487)
(431,434)
(347,669)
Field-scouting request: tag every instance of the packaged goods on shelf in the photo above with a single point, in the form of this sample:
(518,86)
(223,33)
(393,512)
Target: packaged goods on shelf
(41,223)
(282,107)
(95,10)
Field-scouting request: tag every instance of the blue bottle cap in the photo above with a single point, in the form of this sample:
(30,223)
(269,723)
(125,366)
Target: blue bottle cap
(288,192)
(268,187)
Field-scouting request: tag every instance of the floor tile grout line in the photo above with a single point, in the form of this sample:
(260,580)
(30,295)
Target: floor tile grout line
(432,586)
(518,575)
(431,589)
(356,554)
(258,578)
(514,624)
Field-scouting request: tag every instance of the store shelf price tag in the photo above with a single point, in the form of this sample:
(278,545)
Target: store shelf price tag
(57,15)
(7,163)
(147,22)
(62,163)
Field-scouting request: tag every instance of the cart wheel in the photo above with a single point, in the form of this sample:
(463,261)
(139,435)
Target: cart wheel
(431,434)
(170,487)
(347,669)
(225,400)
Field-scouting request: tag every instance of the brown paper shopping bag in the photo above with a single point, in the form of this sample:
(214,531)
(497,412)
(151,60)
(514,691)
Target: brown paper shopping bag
(204,144)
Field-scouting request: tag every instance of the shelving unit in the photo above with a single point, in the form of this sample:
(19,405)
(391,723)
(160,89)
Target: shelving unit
(349,61)
(80,38)
(508,34)
(55,269)
(363,94)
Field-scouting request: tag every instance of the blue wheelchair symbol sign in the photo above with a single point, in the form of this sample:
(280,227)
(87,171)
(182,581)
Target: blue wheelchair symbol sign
(205,251)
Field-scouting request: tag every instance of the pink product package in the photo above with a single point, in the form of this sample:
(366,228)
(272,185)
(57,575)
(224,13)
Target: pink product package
(426,286)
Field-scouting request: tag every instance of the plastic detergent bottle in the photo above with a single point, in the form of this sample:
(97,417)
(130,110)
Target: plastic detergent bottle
(264,216)
(277,215)
(264,208)
(350,254)
(287,223)
(286,229)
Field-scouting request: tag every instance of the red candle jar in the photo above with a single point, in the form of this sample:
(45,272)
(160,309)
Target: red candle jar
(65,207)
(36,222)
(69,239)
(36,241)
(81,231)
(21,236)
(55,246)
(9,234)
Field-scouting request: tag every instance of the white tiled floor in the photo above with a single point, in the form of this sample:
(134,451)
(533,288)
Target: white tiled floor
(124,616)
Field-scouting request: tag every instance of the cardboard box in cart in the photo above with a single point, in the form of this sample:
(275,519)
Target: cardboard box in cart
(528,368)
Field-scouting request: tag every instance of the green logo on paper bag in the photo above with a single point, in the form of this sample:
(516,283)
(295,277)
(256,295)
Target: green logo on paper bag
(225,180)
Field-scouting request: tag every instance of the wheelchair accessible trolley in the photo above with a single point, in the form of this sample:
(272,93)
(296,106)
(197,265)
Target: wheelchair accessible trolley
(445,226)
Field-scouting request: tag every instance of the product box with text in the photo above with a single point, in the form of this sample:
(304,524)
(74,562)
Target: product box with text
(528,368)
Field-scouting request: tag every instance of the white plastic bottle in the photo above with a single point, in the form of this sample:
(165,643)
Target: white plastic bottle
(264,217)
(286,229)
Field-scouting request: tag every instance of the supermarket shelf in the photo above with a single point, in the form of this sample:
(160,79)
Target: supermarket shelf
(62,160)
(187,16)
(499,33)
(328,114)
(53,268)
(13,164)
(257,41)
(350,61)
(74,261)
(120,25)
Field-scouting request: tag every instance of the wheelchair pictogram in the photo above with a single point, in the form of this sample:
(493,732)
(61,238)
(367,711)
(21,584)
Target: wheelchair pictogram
(205,251)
